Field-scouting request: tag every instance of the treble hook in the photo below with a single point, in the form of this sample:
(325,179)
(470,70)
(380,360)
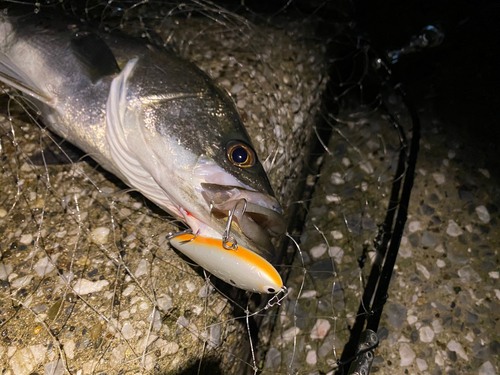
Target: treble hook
(228,242)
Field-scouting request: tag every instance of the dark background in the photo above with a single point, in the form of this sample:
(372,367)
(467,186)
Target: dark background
(455,83)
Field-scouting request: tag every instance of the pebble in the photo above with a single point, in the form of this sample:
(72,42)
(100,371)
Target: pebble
(100,235)
(21,282)
(426,334)
(308,294)
(197,309)
(407,355)
(22,362)
(190,286)
(128,331)
(428,210)
(54,368)
(69,349)
(182,322)
(215,332)
(128,290)
(3,212)
(142,268)
(11,350)
(453,229)
(405,252)
(311,357)
(472,318)
(38,352)
(333,198)
(392,339)
(45,265)
(439,178)
(336,253)
(497,293)
(457,258)
(317,251)
(440,263)
(156,320)
(273,358)
(84,286)
(167,348)
(165,302)
(422,364)
(366,167)
(290,333)
(320,329)
(436,325)
(337,235)
(241,104)
(428,240)
(205,290)
(117,355)
(492,274)
(424,270)
(411,319)
(439,249)
(145,342)
(5,271)
(439,358)
(414,239)
(337,179)
(26,239)
(486,369)
(396,315)
(457,348)
(414,226)
(130,237)
(483,214)
(469,275)
(237,88)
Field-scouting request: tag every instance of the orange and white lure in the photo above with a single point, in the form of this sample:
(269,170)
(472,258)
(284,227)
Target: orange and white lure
(240,267)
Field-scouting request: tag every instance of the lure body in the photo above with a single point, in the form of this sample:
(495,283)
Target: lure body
(239,267)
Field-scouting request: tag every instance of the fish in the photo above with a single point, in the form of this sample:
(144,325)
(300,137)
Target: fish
(163,127)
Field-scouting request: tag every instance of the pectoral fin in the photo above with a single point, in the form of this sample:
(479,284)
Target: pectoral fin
(11,75)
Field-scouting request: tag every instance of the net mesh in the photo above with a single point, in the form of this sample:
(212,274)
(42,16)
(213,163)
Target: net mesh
(84,259)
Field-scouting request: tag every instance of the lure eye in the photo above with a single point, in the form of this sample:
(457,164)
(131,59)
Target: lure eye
(269,289)
(240,154)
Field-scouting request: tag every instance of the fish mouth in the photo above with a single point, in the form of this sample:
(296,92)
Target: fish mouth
(258,217)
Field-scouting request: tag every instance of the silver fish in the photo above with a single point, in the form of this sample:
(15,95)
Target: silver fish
(154,120)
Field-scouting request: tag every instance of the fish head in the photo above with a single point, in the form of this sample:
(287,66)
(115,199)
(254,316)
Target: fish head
(186,134)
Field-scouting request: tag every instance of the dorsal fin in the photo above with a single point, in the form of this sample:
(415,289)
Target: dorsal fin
(95,55)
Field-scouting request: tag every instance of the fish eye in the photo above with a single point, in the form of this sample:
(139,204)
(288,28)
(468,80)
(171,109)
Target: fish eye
(269,289)
(240,154)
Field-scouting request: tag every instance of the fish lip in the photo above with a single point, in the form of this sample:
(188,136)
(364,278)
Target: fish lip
(260,219)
